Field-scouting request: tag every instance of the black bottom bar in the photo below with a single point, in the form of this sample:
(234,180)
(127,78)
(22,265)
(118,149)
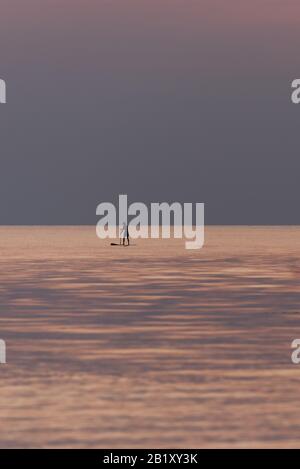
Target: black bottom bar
(137,458)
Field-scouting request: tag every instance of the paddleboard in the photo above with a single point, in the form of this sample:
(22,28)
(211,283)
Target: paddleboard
(116,244)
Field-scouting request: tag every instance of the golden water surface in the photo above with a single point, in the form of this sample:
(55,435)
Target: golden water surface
(151,345)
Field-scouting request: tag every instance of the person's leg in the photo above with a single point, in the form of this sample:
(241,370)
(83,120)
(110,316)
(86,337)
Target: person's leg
(128,240)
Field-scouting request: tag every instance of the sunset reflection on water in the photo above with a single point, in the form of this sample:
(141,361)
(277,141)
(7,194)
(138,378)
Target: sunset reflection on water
(151,345)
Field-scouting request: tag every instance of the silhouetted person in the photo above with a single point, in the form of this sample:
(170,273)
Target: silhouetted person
(124,234)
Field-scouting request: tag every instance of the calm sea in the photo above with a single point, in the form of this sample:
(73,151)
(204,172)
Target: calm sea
(151,345)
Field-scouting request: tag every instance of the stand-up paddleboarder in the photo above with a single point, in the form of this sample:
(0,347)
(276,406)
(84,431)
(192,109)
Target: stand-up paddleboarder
(124,234)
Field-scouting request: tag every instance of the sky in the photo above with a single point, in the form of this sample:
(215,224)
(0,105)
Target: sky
(162,100)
